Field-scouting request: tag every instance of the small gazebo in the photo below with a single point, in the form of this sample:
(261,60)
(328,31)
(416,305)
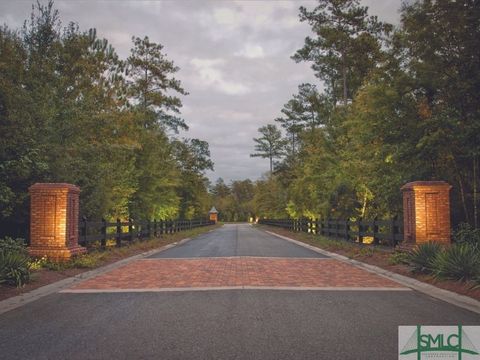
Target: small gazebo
(213,213)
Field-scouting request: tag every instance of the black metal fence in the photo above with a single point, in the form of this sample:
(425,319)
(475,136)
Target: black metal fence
(375,232)
(101,231)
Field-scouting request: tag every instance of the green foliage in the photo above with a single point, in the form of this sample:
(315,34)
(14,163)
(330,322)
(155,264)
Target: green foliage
(234,202)
(422,257)
(14,268)
(270,145)
(458,262)
(14,262)
(398,105)
(75,112)
(8,244)
(465,233)
(399,257)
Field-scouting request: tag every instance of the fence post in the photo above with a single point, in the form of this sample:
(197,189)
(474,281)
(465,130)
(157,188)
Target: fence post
(162,224)
(149,229)
(130,229)
(83,230)
(119,233)
(360,230)
(103,241)
(155,232)
(375,230)
(393,241)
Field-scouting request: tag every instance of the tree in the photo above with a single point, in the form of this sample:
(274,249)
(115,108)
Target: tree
(346,47)
(75,112)
(150,81)
(193,160)
(270,145)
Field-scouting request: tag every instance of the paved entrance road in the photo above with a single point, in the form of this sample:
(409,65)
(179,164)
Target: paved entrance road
(221,324)
(237,240)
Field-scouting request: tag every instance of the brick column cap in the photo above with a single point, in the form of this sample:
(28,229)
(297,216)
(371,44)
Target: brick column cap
(425,185)
(56,187)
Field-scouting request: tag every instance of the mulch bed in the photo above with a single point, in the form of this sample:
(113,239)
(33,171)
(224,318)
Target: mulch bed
(381,259)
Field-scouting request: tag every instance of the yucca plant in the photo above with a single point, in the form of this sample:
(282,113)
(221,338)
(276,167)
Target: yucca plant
(14,268)
(458,262)
(421,257)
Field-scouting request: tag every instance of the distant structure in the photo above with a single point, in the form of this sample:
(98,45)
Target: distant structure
(213,214)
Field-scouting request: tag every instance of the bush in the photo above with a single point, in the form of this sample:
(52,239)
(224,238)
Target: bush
(13,245)
(458,262)
(14,268)
(421,258)
(466,234)
(399,257)
(14,262)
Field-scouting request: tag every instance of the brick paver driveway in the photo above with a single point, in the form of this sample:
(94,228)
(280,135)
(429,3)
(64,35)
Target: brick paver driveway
(237,270)
(233,293)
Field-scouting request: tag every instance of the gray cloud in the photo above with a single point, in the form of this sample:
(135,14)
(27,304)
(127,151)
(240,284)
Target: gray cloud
(234,58)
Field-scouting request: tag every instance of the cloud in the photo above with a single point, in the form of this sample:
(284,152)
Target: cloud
(234,59)
(211,76)
(251,51)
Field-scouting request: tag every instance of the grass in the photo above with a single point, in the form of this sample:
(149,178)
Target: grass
(350,249)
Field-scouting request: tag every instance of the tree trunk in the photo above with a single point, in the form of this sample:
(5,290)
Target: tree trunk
(344,75)
(364,206)
(475,210)
(462,194)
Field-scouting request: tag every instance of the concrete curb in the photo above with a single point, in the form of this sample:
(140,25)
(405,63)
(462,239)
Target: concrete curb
(220,288)
(23,299)
(462,301)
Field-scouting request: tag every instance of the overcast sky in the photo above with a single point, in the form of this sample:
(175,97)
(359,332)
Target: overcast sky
(234,58)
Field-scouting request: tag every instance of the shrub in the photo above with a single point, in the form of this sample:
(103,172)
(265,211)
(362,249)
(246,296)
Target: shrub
(13,245)
(399,257)
(14,268)
(466,234)
(14,262)
(89,260)
(421,258)
(458,262)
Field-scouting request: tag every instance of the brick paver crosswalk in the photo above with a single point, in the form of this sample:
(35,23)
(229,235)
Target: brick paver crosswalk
(246,272)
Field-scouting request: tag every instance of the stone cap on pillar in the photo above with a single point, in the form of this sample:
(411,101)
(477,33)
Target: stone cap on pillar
(425,185)
(60,187)
(213,210)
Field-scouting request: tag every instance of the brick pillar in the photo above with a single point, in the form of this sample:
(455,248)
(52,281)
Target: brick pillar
(426,212)
(54,221)
(214,217)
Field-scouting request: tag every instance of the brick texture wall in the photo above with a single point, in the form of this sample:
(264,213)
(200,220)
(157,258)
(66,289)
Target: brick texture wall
(54,211)
(426,212)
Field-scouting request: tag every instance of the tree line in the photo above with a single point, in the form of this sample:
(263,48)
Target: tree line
(396,104)
(71,110)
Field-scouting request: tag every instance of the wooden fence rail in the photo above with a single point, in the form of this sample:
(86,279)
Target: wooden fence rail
(375,232)
(102,231)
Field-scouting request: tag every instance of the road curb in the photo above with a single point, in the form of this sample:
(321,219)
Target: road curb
(462,301)
(23,299)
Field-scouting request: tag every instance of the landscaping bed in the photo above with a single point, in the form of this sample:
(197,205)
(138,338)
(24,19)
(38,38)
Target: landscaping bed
(44,272)
(384,258)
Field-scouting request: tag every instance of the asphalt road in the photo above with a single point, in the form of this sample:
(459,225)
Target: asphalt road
(226,324)
(237,240)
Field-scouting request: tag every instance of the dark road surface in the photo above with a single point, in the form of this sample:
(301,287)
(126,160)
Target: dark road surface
(237,240)
(222,324)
